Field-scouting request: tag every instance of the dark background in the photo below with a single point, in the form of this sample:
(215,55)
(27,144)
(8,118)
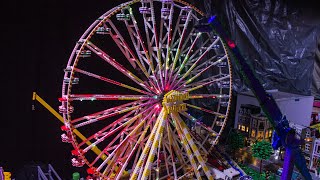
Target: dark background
(37,39)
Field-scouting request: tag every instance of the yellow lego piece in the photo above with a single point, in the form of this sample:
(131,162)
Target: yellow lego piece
(7,175)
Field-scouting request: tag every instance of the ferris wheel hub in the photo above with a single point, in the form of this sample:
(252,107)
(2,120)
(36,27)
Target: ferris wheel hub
(173,101)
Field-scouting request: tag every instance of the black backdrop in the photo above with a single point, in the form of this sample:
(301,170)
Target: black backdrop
(38,37)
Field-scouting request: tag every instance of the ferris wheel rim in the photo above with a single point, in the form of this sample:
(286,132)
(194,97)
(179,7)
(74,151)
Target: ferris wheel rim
(92,28)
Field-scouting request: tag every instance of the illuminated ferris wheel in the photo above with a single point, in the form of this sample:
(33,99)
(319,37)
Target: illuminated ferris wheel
(149,92)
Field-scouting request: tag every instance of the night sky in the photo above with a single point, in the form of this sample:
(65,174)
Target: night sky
(38,37)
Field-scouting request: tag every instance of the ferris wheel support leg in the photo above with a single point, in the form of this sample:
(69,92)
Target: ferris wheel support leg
(95,149)
(193,146)
(36,97)
(155,145)
(158,154)
(186,147)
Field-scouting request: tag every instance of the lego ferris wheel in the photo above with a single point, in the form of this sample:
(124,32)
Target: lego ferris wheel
(149,91)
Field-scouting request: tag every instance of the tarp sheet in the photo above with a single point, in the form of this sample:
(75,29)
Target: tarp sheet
(278,38)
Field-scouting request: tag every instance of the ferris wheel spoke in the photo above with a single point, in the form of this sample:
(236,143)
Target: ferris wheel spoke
(189,40)
(111,81)
(112,165)
(139,151)
(155,38)
(110,127)
(196,86)
(117,65)
(136,38)
(120,42)
(208,62)
(189,61)
(157,151)
(165,42)
(107,111)
(118,157)
(210,96)
(126,139)
(202,125)
(210,132)
(206,110)
(142,51)
(124,47)
(143,133)
(204,69)
(107,97)
(104,116)
(181,42)
(197,75)
(205,80)
(144,117)
(176,141)
(202,46)
(177,29)
(198,60)
(102,136)
(152,36)
(121,161)
(139,45)
(186,58)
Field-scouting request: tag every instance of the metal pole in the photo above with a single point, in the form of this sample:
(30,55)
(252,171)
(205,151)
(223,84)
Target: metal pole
(288,164)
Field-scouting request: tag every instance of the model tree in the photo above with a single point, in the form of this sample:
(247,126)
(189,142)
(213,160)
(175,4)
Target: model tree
(262,150)
(236,141)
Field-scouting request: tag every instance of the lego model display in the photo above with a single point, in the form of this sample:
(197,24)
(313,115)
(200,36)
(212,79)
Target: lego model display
(136,85)
(296,108)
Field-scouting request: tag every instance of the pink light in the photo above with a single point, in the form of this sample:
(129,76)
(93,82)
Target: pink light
(64,128)
(167,87)
(231,44)
(157,106)
(75,152)
(62,99)
(90,170)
